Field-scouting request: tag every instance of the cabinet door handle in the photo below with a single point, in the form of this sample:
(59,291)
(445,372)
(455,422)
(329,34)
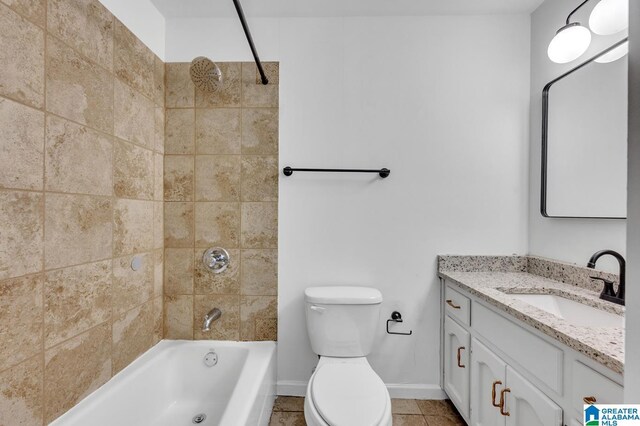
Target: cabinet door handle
(460,349)
(589,400)
(494,392)
(453,305)
(502,401)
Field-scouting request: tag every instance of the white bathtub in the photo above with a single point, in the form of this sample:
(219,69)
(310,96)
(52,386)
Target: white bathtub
(170,384)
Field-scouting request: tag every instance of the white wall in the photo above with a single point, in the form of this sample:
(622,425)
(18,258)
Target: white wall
(571,240)
(441,101)
(632,336)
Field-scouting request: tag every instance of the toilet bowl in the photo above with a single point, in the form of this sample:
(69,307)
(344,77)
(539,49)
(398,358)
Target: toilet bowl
(344,390)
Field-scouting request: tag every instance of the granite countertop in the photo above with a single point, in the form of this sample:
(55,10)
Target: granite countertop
(604,345)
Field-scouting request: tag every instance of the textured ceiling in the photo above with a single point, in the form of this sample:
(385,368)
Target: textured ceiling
(326,8)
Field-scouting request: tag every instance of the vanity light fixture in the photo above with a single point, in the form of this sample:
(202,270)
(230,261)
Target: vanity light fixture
(570,41)
(609,17)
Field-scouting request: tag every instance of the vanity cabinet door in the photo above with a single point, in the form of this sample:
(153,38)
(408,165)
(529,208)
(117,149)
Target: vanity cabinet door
(488,378)
(456,365)
(527,405)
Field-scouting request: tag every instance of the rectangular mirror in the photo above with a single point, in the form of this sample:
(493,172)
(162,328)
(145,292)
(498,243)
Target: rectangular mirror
(584,141)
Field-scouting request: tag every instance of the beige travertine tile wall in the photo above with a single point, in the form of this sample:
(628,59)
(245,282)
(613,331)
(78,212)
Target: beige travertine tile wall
(221,189)
(81,174)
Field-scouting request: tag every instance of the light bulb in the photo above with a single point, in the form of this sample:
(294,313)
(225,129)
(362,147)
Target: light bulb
(609,17)
(570,42)
(614,54)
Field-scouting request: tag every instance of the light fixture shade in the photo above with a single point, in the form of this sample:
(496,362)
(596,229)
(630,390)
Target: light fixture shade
(570,42)
(614,54)
(609,17)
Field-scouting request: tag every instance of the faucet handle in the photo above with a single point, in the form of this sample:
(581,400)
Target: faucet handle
(608,286)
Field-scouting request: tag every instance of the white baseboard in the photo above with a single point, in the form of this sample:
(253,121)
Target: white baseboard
(396,390)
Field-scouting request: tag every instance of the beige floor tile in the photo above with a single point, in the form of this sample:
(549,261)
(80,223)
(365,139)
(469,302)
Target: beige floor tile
(444,421)
(405,406)
(437,408)
(282,418)
(408,420)
(289,403)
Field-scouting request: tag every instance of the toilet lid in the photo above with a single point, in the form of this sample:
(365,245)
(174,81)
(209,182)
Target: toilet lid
(349,395)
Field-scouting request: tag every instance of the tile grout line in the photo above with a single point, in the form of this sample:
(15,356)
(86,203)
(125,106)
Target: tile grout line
(44,200)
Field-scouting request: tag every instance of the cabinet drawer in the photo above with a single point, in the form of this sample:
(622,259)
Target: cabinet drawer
(457,306)
(588,382)
(540,358)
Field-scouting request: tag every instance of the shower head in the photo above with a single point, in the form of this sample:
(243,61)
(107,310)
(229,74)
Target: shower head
(205,74)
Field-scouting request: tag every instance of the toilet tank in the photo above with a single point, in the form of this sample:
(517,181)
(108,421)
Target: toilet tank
(342,321)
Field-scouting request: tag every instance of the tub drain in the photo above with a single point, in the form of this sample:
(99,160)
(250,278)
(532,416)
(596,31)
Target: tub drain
(199,418)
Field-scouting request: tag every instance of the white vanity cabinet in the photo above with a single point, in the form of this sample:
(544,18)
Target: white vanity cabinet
(456,365)
(489,356)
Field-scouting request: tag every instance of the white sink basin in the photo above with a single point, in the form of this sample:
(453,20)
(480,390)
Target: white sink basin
(574,312)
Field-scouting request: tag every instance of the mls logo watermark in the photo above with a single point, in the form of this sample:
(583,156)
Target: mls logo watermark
(611,415)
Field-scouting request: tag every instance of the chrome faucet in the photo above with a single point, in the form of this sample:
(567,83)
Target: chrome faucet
(211,316)
(608,293)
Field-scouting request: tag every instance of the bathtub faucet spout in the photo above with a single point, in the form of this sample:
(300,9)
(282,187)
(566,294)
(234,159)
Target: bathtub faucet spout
(211,316)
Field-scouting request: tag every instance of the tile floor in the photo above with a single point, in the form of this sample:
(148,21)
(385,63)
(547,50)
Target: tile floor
(289,411)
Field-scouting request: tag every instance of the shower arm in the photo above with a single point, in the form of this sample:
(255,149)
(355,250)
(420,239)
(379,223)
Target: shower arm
(247,33)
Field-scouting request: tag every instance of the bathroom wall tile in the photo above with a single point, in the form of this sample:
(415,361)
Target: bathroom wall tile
(78,229)
(178,272)
(259,225)
(159,129)
(132,335)
(158,176)
(178,317)
(21,146)
(77,159)
(218,177)
(271,70)
(158,272)
(228,95)
(178,178)
(78,89)
(158,313)
(87,26)
(75,300)
(21,58)
(259,178)
(158,81)
(134,116)
(266,329)
(180,131)
(134,62)
(179,224)
(180,91)
(21,227)
(21,394)
(217,224)
(218,131)
(259,272)
(260,131)
(132,288)
(227,282)
(133,171)
(254,93)
(158,225)
(20,335)
(33,10)
(253,308)
(76,368)
(133,226)
(227,326)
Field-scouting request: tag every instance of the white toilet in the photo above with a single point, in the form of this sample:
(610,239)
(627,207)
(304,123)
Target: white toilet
(344,390)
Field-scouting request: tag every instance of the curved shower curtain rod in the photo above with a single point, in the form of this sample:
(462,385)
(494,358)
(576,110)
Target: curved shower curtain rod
(247,33)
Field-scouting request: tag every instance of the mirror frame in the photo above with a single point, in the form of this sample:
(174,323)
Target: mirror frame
(545,135)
